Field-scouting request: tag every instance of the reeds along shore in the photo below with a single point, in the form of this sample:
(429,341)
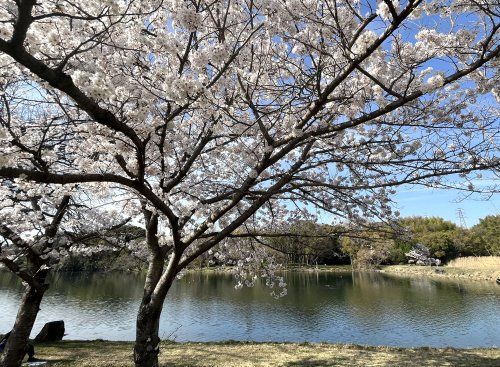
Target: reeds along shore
(480,262)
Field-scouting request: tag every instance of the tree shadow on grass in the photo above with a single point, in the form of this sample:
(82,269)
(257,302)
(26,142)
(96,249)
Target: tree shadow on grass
(443,357)
(455,358)
(74,353)
(204,355)
(111,354)
(316,362)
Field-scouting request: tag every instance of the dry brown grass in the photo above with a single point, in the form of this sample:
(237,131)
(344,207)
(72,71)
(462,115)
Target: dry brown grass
(119,354)
(488,273)
(480,262)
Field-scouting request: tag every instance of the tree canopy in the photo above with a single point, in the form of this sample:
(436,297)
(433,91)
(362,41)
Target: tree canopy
(208,118)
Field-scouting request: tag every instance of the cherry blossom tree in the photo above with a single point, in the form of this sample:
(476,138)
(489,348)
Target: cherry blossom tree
(29,259)
(230,117)
(40,226)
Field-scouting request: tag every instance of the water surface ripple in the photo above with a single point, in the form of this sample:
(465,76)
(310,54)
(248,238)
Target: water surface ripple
(362,308)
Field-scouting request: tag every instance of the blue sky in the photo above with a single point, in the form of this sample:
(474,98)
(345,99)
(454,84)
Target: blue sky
(422,201)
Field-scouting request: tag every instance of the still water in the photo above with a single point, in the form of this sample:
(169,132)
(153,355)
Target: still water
(362,308)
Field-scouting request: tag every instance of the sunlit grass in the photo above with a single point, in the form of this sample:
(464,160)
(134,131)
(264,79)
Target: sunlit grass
(480,262)
(119,354)
(484,273)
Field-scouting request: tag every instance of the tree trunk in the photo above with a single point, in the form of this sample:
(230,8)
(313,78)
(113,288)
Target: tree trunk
(156,287)
(147,340)
(17,343)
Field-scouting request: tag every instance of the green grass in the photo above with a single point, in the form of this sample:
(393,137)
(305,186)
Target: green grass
(119,354)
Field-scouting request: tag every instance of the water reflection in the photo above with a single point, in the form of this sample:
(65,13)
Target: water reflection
(365,308)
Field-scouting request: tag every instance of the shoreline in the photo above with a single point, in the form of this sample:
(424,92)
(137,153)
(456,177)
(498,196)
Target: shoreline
(443,272)
(100,353)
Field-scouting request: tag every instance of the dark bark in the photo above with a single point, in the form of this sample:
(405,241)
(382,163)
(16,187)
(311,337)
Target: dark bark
(17,343)
(26,316)
(146,348)
(159,279)
(147,341)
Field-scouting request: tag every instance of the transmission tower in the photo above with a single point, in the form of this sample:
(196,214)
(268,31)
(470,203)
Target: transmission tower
(461,218)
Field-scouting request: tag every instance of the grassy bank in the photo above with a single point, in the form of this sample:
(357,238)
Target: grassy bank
(118,354)
(465,268)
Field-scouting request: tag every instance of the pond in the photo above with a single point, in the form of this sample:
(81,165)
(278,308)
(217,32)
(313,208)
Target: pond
(361,308)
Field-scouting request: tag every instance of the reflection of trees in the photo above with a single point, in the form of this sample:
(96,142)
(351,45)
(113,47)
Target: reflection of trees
(92,305)
(377,298)
(304,306)
(9,281)
(86,286)
(316,303)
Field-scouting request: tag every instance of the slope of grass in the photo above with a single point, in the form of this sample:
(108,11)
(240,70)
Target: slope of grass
(119,354)
(477,272)
(479,262)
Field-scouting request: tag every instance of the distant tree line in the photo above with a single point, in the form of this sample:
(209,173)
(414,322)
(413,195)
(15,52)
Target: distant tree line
(447,241)
(376,244)
(306,243)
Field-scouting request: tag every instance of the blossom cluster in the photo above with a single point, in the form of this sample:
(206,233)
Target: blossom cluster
(220,116)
